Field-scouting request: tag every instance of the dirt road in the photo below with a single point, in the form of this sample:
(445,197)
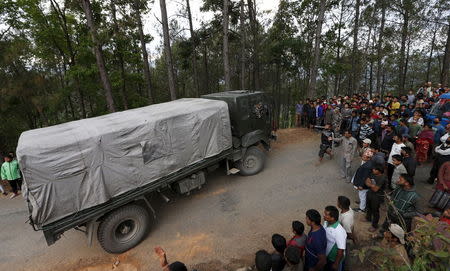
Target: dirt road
(217,228)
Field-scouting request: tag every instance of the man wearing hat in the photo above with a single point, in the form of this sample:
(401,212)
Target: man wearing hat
(365,146)
(394,239)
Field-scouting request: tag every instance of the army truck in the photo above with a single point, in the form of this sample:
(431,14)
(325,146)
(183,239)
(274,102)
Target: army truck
(98,175)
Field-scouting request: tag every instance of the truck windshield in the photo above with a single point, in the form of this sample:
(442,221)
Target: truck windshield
(440,107)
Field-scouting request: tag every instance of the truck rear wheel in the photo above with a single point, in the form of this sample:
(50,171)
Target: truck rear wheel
(123,229)
(252,162)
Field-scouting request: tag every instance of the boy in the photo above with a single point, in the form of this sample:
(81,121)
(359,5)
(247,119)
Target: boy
(10,172)
(299,239)
(399,169)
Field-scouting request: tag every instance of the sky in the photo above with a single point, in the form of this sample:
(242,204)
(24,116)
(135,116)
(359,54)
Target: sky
(153,27)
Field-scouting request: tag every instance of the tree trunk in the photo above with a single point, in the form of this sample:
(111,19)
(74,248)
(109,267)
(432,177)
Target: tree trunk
(243,38)
(380,46)
(430,58)
(118,53)
(194,54)
(206,69)
(226,58)
(401,64)
(315,66)
(355,64)
(405,72)
(99,55)
(446,63)
(338,51)
(255,38)
(145,60)
(168,50)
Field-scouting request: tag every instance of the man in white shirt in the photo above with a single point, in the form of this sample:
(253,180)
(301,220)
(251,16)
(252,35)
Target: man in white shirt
(396,150)
(336,239)
(346,217)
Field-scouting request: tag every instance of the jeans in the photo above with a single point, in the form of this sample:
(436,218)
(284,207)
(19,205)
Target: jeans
(362,198)
(373,208)
(15,185)
(345,168)
(390,172)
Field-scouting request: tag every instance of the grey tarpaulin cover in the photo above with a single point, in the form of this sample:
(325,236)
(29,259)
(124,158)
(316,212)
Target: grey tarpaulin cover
(80,164)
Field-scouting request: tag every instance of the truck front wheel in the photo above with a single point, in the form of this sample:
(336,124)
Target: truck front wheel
(252,162)
(123,229)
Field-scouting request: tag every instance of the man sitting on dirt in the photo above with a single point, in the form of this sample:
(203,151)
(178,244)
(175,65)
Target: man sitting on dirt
(299,239)
(279,243)
(336,239)
(175,266)
(394,239)
(263,261)
(293,260)
(316,243)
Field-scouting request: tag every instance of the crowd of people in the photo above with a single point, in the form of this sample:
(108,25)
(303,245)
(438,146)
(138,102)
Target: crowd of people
(392,137)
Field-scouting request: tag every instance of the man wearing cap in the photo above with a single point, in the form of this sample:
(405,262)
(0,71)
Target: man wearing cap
(365,146)
(349,145)
(405,203)
(394,239)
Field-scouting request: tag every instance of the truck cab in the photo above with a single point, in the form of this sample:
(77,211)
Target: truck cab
(250,116)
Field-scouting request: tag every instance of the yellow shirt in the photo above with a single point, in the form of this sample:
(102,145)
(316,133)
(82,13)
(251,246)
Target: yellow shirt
(394,107)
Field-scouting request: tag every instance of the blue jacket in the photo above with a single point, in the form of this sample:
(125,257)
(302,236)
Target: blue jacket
(320,112)
(355,124)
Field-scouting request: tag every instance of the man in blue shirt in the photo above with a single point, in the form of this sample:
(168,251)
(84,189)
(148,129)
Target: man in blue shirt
(316,243)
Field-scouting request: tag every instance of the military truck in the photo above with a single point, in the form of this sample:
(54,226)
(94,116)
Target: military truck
(98,175)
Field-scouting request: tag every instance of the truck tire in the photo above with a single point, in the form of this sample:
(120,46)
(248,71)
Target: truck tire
(252,162)
(123,229)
